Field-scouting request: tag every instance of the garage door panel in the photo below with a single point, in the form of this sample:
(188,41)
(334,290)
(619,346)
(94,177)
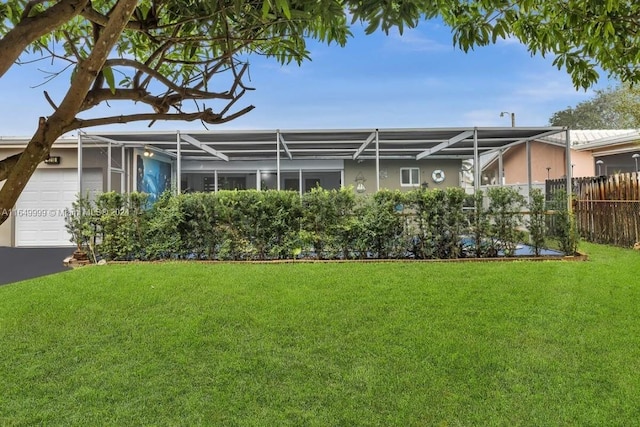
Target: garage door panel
(29,196)
(40,219)
(51,196)
(69,197)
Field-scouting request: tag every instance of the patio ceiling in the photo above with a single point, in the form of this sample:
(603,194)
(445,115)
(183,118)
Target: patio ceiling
(434,143)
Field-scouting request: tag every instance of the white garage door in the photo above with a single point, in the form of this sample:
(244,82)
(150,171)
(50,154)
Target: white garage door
(40,209)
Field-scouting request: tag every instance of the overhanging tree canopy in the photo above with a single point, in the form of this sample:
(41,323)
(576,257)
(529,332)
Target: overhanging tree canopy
(611,108)
(185,59)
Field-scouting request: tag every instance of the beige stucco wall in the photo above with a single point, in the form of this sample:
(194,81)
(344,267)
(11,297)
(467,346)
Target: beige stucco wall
(543,156)
(6,229)
(91,157)
(390,173)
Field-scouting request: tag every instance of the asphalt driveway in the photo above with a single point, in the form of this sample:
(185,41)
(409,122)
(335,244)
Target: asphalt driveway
(26,263)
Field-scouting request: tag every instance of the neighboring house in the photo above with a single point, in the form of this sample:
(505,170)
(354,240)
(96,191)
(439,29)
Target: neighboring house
(593,152)
(299,160)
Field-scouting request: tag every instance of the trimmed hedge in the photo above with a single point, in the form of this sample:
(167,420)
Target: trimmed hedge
(323,224)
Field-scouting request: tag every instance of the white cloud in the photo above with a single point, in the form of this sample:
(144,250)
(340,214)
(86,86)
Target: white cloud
(549,87)
(413,40)
(509,41)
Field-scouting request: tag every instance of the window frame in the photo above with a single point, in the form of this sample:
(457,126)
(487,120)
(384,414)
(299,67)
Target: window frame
(410,183)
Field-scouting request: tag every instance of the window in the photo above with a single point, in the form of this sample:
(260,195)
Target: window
(409,177)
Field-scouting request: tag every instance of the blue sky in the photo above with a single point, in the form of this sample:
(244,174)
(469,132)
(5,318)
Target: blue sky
(379,81)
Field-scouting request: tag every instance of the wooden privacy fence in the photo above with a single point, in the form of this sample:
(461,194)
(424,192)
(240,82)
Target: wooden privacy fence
(607,208)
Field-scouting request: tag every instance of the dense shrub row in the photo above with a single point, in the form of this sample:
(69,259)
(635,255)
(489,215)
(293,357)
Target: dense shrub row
(326,224)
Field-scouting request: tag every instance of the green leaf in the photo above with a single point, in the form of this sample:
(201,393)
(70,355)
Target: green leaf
(107,72)
(284,7)
(266,7)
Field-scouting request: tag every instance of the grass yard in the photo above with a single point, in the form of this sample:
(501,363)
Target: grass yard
(447,344)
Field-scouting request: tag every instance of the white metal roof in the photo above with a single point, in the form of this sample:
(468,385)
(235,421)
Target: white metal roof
(587,137)
(225,145)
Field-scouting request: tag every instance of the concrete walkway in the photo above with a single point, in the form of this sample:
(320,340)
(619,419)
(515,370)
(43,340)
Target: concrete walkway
(26,263)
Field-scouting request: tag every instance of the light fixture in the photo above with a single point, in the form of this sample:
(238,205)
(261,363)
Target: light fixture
(599,163)
(55,160)
(148,153)
(635,158)
(513,117)
(548,171)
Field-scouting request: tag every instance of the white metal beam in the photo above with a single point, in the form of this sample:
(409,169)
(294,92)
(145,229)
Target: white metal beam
(191,140)
(445,144)
(284,145)
(522,140)
(364,145)
(103,139)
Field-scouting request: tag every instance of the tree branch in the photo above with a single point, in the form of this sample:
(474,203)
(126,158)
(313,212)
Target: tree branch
(7,164)
(29,29)
(207,116)
(185,92)
(87,70)
(97,18)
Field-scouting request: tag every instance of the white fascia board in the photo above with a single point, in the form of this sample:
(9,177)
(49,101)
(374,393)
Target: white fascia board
(364,145)
(191,140)
(461,136)
(606,142)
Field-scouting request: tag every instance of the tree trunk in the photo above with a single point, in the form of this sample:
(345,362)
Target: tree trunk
(49,130)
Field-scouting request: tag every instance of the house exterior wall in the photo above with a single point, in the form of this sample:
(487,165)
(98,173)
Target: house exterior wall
(91,158)
(6,229)
(390,173)
(543,156)
(583,163)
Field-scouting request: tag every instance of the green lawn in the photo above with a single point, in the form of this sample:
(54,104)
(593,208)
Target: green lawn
(447,344)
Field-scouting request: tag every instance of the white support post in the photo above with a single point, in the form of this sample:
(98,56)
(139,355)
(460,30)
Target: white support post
(342,177)
(80,163)
(215,181)
(178,163)
(500,169)
(109,166)
(569,171)
(258,180)
(300,187)
(123,174)
(128,169)
(377,161)
(528,148)
(476,162)
(278,159)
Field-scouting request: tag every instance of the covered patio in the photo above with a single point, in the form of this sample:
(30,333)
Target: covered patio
(291,159)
